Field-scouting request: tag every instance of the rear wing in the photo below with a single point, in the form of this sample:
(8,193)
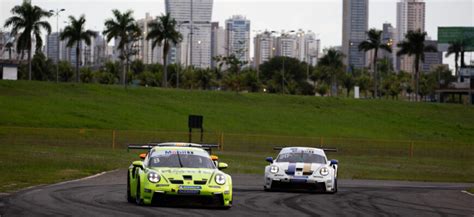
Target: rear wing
(148,146)
(324,149)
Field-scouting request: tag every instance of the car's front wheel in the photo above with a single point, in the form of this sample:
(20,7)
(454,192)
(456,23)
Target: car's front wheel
(129,194)
(138,198)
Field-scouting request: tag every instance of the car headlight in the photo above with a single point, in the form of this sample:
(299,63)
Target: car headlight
(274,169)
(220,179)
(153,177)
(324,171)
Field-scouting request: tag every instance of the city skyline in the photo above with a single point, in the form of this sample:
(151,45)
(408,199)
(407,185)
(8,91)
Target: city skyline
(324,17)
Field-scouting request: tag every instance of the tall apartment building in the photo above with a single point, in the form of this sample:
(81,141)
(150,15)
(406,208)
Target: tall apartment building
(238,37)
(146,53)
(218,42)
(312,47)
(355,22)
(52,47)
(264,48)
(287,45)
(194,23)
(300,45)
(432,59)
(410,17)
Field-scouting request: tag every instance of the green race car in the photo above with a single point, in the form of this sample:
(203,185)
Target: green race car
(182,173)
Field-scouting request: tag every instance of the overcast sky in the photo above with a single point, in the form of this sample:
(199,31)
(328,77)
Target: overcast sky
(321,16)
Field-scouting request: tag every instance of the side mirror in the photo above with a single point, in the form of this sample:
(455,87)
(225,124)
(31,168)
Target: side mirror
(214,158)
(142,156)
(269,160)
(138,164)
(222,166)
(334,162)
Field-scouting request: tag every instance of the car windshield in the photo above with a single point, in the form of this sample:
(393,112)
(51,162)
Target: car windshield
(301,157)
(181,159)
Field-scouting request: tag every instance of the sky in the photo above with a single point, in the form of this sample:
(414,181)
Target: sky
(323,17)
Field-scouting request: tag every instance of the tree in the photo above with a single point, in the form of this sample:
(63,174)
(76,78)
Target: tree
(333,62)
(42,68)
(9,46)
(65,71)
(28,20)
(162,33)
(374,42)
(282,70)
(414,45)
(75,34)
(123,28)
(455,48)
(137,67)
(348,81)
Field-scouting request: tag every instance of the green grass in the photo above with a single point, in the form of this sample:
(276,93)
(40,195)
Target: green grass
(51,133)
(471,190)
(41,104)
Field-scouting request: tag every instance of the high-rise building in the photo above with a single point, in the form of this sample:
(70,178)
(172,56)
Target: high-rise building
(238,37)
(355,24)
(146,53)
(194,23)
(100,50)
(312,47)
(300,45)
(432,59)
(287,45)
(264,48)
(217,42)
(52,47)
(410,17)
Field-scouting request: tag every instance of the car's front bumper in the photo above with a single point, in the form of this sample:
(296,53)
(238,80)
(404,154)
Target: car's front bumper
(220,195)
(314,183)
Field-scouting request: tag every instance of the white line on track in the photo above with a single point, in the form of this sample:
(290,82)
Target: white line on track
(468,193)
(82,179)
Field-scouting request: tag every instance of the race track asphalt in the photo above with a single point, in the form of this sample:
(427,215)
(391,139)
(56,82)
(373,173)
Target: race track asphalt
(104,195)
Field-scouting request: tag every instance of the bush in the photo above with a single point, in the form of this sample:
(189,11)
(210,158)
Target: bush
(86,75)
(322,89)
(105,78)
(149,79)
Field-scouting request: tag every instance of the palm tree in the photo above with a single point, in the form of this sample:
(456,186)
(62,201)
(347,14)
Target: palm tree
(414,45)
(28,20)
(9,46)
(374,42)
(122,27)
(455,48)
(333,61)
(74,33)
(162,33)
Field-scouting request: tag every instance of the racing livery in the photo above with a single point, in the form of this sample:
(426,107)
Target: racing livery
(182,173)
(303,169)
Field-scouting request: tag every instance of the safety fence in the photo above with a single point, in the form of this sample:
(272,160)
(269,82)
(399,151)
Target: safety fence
(231,142)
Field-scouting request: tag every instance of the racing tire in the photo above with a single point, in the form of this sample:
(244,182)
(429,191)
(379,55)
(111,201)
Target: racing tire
(267,189)
(129,195)
(335,187)
(138,199)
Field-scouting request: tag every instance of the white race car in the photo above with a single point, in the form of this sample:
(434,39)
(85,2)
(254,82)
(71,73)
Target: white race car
(301,168)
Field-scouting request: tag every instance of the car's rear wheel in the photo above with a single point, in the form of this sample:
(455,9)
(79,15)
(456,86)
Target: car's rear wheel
(129,194)
(138,198)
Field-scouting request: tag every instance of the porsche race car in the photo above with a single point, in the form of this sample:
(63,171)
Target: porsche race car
(178,173)
(301,168)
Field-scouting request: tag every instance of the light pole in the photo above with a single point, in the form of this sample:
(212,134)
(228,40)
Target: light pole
(200,54)
(56,13)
